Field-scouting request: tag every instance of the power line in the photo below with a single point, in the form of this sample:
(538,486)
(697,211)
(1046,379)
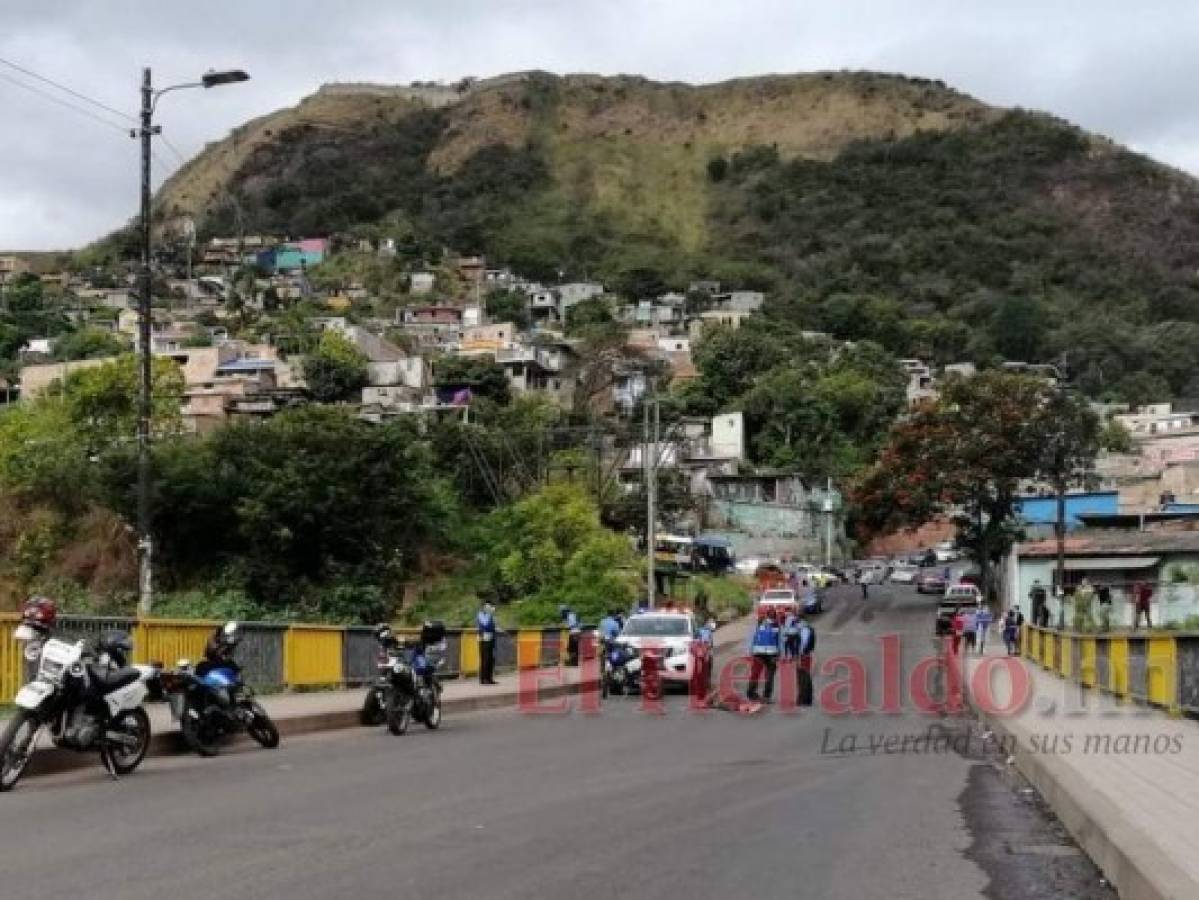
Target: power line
(63,87)
(182,159)
(71,106)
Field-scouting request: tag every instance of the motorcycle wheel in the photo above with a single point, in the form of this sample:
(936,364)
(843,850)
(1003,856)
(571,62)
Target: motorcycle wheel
(399,713)
(372,712)
(16,748)
(262,729)
(197,734)
(135,723)
(433,716)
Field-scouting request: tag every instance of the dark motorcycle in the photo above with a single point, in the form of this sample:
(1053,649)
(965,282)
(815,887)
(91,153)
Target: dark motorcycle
(620,676)
(85,695)
(407,686)
(212,700)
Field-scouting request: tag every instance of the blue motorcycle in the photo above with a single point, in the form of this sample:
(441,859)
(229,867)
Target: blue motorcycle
(212,700)
(621,669)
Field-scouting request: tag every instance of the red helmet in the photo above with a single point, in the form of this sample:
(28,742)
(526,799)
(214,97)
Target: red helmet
(40,612)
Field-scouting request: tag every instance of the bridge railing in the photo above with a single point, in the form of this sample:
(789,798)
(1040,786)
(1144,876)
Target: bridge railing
(1160,668)
(278,656)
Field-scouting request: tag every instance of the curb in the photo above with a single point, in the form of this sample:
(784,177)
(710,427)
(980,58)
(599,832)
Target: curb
(1128,858)
(53,761)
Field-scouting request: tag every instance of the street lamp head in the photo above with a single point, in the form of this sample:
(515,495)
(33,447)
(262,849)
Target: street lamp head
(215,79)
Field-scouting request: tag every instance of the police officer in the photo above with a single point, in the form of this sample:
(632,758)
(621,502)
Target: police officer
(485,622)
(791,635)
(609,626)
(573,629)
(806,647)
(765,646)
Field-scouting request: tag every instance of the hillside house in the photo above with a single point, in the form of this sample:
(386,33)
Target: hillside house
(420,283)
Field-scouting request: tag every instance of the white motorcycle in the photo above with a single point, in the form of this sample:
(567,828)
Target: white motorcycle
(88,699)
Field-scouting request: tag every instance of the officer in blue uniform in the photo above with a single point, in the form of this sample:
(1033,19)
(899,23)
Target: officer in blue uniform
(791,635)
(485,621)
(765,646)
(573,630)
(609,626)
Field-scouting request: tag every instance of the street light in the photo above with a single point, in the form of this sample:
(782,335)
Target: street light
(145,545)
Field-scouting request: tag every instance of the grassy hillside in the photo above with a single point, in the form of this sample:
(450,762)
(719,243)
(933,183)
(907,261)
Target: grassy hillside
(870,205)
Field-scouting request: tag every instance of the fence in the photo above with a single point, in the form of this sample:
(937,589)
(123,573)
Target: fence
(275,656)
(1157,668)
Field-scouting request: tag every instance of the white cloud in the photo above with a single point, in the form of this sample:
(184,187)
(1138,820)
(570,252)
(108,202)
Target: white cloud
(1112,67)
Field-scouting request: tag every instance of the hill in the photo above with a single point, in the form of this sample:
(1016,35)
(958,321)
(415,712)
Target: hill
(869,205)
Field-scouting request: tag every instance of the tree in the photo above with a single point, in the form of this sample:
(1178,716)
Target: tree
(25,294)
(336,371)
(1115,438)
(508,306)
(729,359)
(550,548)
(88,343)
(587,313)
(483,377)
(970,452)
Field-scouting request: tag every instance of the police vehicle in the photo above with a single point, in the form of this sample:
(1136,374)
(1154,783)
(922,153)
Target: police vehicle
(671,635)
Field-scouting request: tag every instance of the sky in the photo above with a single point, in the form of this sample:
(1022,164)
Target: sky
(1126,70)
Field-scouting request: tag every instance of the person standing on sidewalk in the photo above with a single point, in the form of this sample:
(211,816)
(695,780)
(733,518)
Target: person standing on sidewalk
(1040,603)
(765,646)
(1011,633)
(571,620)
(982,622)
(1141,593)
(970,627)
(485,622)
(1104,594)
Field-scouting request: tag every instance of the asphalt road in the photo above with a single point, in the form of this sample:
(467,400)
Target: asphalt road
(503,804)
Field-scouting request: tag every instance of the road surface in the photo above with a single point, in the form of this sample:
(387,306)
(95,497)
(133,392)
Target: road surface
(623,804)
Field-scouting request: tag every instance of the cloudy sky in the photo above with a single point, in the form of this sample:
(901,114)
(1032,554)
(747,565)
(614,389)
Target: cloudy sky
(1124,69)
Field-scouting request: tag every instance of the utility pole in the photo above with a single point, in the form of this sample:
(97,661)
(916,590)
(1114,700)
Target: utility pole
(145,131)
(828,521)
(145,543)
(650,461)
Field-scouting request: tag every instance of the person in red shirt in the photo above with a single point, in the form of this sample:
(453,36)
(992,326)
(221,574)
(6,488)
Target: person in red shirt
(958,628)
(1141,592)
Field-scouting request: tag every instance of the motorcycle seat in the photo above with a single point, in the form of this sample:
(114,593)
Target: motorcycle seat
(106,679)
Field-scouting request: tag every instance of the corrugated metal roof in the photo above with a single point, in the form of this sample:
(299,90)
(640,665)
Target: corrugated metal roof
(1110,542)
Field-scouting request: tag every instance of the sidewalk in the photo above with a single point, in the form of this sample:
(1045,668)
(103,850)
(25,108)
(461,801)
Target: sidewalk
(307,713)
(1122,777)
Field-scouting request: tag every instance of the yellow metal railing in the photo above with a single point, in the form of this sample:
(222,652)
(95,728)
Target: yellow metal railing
(313,655)
(10,659)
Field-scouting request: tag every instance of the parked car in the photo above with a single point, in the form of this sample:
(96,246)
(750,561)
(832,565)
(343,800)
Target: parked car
(904,573)
(958,596)
(748,565)
(931,581)
(780,600)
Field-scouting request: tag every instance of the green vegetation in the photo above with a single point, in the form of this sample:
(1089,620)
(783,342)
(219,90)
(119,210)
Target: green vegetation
(1006,236)
(1019,239)
(807,406)
(335,371)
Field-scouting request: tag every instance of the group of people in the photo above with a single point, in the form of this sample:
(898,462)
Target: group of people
(1087,600)
(792,640)
(970,626)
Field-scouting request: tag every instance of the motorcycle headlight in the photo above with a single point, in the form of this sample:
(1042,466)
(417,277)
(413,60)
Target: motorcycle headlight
(33,652)
(397,667)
